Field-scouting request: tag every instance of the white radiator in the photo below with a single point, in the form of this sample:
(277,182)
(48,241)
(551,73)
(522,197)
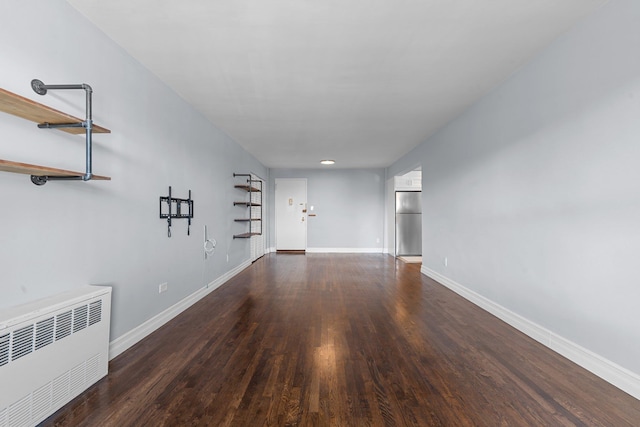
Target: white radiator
(51,350)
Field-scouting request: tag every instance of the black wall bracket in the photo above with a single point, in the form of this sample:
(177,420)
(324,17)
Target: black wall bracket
(173,207)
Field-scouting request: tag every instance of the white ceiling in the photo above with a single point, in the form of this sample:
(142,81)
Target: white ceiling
(359,81)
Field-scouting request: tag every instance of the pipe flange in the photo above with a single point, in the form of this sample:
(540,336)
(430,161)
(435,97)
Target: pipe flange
(38,87)
(38,180)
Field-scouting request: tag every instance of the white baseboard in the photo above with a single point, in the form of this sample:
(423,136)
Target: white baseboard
(339,250)
(127,340)
(345,250)
(609,371)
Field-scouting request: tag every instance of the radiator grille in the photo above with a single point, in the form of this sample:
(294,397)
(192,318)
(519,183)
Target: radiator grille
(77,379)
(33,337)
(20,413)
(22,342)
(60,389)
(95,312)
(79,318)
(44,333)
(41,402)
(93,368)
(4,351)
(63,325)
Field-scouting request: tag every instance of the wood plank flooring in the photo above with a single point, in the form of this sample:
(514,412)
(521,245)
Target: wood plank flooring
(343,340)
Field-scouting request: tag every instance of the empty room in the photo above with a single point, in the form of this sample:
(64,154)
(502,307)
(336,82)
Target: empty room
(299,213)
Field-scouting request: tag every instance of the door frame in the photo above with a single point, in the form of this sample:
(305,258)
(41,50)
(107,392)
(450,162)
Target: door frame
(275,198)
(257,243)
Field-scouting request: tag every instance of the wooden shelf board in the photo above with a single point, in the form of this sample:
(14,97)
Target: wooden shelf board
(245,235)
(248,188)
(246,204)
(20,106)
(28,169)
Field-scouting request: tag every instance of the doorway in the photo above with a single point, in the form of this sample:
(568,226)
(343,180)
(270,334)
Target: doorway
(404,222)
(291,214)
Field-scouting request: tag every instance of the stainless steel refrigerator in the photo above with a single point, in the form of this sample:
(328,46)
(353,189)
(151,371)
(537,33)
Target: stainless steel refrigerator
(408,223)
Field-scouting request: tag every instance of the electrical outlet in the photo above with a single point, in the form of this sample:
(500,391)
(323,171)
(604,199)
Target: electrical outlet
(377,240)
(163,287)
(446,261)
(227,257)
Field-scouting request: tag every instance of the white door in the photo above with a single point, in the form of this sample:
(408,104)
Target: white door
(291,214)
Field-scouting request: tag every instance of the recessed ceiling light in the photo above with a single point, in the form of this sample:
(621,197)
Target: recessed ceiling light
(327,162)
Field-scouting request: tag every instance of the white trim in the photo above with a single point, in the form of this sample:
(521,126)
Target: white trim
(609,371)
(270,249)
(127,340)
(346,250)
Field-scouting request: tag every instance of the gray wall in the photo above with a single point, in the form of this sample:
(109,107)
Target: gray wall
(68,234)
(533,194)
(349,204)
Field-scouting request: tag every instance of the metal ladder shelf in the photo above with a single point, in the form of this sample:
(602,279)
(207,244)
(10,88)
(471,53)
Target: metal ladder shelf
(251,186)
(50,118)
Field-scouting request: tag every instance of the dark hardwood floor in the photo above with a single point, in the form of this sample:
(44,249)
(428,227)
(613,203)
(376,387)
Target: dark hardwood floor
(343,340)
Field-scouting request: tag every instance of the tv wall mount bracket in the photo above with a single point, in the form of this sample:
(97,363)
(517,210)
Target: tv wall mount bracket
(175,208)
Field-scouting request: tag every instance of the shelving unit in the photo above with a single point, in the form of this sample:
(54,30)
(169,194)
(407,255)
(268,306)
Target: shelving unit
(50,118)
(253,206)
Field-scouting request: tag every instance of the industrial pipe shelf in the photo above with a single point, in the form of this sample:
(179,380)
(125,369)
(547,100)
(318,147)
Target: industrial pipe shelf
(50,118)
(252,186)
